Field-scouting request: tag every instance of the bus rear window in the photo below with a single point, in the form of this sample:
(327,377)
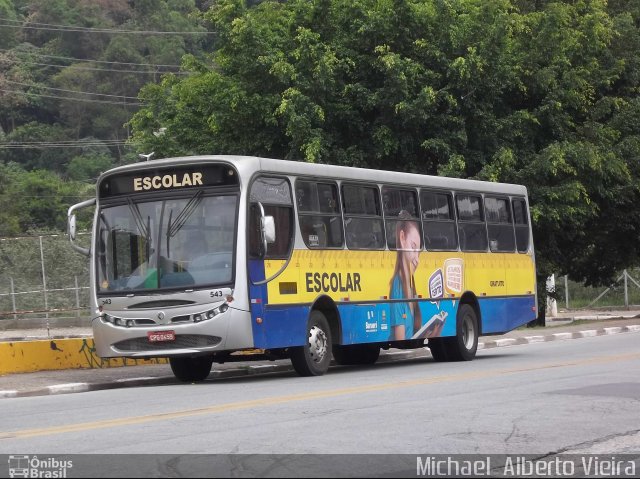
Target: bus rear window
(499,225)
(521,219)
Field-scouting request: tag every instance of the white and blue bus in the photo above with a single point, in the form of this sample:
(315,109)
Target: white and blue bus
(197,259)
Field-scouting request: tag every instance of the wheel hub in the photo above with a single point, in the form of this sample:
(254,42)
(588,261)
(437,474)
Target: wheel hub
(317,344)
(468,332)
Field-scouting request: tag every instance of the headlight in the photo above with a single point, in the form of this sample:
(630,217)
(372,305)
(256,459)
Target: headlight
(107,318)
(212,313)
(110,319)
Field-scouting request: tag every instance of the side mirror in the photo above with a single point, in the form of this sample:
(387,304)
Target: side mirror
(269,229)
(72,228)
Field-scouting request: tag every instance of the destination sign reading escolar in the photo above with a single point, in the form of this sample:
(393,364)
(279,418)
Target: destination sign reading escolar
(167,181)
(162,179)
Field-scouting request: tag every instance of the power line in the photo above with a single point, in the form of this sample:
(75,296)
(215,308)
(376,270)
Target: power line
(21,146)
(75,28)
(72,99)
(47,147)
(93,69)
(87,139)
(71,91)
(47,196)
(89,60)
(72,142)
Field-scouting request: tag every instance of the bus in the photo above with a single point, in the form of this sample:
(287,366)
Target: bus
(221,258)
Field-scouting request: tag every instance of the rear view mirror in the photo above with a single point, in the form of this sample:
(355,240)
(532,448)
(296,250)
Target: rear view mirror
(269,229)
(72,227)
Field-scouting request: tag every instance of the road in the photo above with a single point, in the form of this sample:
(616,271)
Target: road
(579,396)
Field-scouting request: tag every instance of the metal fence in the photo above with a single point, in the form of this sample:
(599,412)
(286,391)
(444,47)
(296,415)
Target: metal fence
(623,293)
(41,276)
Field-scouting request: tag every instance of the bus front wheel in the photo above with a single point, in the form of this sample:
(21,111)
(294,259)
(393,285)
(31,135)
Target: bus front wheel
(191,369)
(314,357)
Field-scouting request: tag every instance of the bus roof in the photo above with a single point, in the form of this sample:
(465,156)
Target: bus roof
(247,165)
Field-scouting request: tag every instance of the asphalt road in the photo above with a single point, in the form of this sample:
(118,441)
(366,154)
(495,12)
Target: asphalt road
(544,398)
(81,380)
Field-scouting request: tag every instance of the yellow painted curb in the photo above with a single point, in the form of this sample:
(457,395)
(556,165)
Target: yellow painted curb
(46,355)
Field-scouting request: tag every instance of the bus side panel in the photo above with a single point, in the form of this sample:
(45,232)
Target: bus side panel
(257,300)
(365,323)
(372,323)
(273,326)
(282,327)
(500,315)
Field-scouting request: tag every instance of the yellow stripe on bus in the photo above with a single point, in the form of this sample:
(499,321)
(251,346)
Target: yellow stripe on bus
(366,275)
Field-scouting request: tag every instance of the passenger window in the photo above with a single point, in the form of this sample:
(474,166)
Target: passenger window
(499,225)
(319,214)
(401,214)
(472,230)
(364,226)
(438,221)
(275,196)
(521,219)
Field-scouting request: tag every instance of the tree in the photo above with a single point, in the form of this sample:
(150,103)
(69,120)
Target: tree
(540,93)
(37,200)
(9,222)
(9,16)
(85,82)
(88,166)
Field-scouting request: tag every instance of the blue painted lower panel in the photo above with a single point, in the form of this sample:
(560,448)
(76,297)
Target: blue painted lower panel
(284,326)
(504,314)
(281,327)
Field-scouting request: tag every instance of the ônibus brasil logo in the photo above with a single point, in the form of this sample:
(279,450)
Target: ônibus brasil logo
(27,466)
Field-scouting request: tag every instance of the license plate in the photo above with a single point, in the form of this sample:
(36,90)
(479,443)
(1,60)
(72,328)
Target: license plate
(161,336)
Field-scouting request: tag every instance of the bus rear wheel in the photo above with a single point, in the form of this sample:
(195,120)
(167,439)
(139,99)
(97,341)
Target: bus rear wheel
(191,369)
(356,354)
(464,345)
(314,357)
(438,348)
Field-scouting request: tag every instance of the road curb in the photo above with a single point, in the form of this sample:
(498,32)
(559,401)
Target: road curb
(259,369)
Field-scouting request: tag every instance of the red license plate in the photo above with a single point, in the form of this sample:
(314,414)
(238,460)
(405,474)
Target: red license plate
(161,336)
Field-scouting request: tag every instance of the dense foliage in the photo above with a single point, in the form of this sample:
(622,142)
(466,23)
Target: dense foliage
(70,73)
(543,93)
(538,92)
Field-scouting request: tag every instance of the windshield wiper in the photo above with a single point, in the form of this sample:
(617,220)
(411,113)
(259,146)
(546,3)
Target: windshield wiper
(137,217)
(184,215)
(144,229)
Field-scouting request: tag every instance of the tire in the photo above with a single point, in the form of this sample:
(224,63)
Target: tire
(356,354)
(314,357)
(464,345)
(438,349)
(190,370)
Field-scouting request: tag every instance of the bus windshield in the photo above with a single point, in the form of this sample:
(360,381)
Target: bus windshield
(184,242)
